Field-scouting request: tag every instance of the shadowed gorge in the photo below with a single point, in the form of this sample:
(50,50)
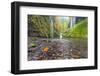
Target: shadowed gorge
(57,37)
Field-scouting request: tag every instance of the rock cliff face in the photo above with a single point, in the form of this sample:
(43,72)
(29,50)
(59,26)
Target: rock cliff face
(32,32)
(47,27)
(39,25)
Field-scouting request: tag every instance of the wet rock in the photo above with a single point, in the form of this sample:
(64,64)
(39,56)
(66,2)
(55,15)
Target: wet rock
(57,49)
(76,54)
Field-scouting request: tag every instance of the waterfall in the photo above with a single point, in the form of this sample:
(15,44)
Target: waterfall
(72,21)
(60,35)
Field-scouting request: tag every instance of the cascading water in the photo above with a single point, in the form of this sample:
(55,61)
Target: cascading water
(61,36)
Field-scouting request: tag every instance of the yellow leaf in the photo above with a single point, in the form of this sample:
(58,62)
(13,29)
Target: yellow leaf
(45,49)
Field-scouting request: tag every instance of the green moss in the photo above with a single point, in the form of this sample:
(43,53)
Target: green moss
(33,45)
(41,24)
(80,30)
(34,38)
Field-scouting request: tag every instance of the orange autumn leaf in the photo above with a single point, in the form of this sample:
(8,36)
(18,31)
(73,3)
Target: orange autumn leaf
(46,49)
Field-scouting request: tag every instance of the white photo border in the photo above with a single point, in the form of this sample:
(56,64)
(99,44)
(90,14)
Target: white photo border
(26,65)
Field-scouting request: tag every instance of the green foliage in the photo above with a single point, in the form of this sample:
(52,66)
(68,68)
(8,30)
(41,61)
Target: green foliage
(41,24)
(80,30)
(33,45)
(34,38)
(61,25)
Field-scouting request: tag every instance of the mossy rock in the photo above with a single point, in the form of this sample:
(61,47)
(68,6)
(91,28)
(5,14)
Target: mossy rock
(34,38)
(33,45)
